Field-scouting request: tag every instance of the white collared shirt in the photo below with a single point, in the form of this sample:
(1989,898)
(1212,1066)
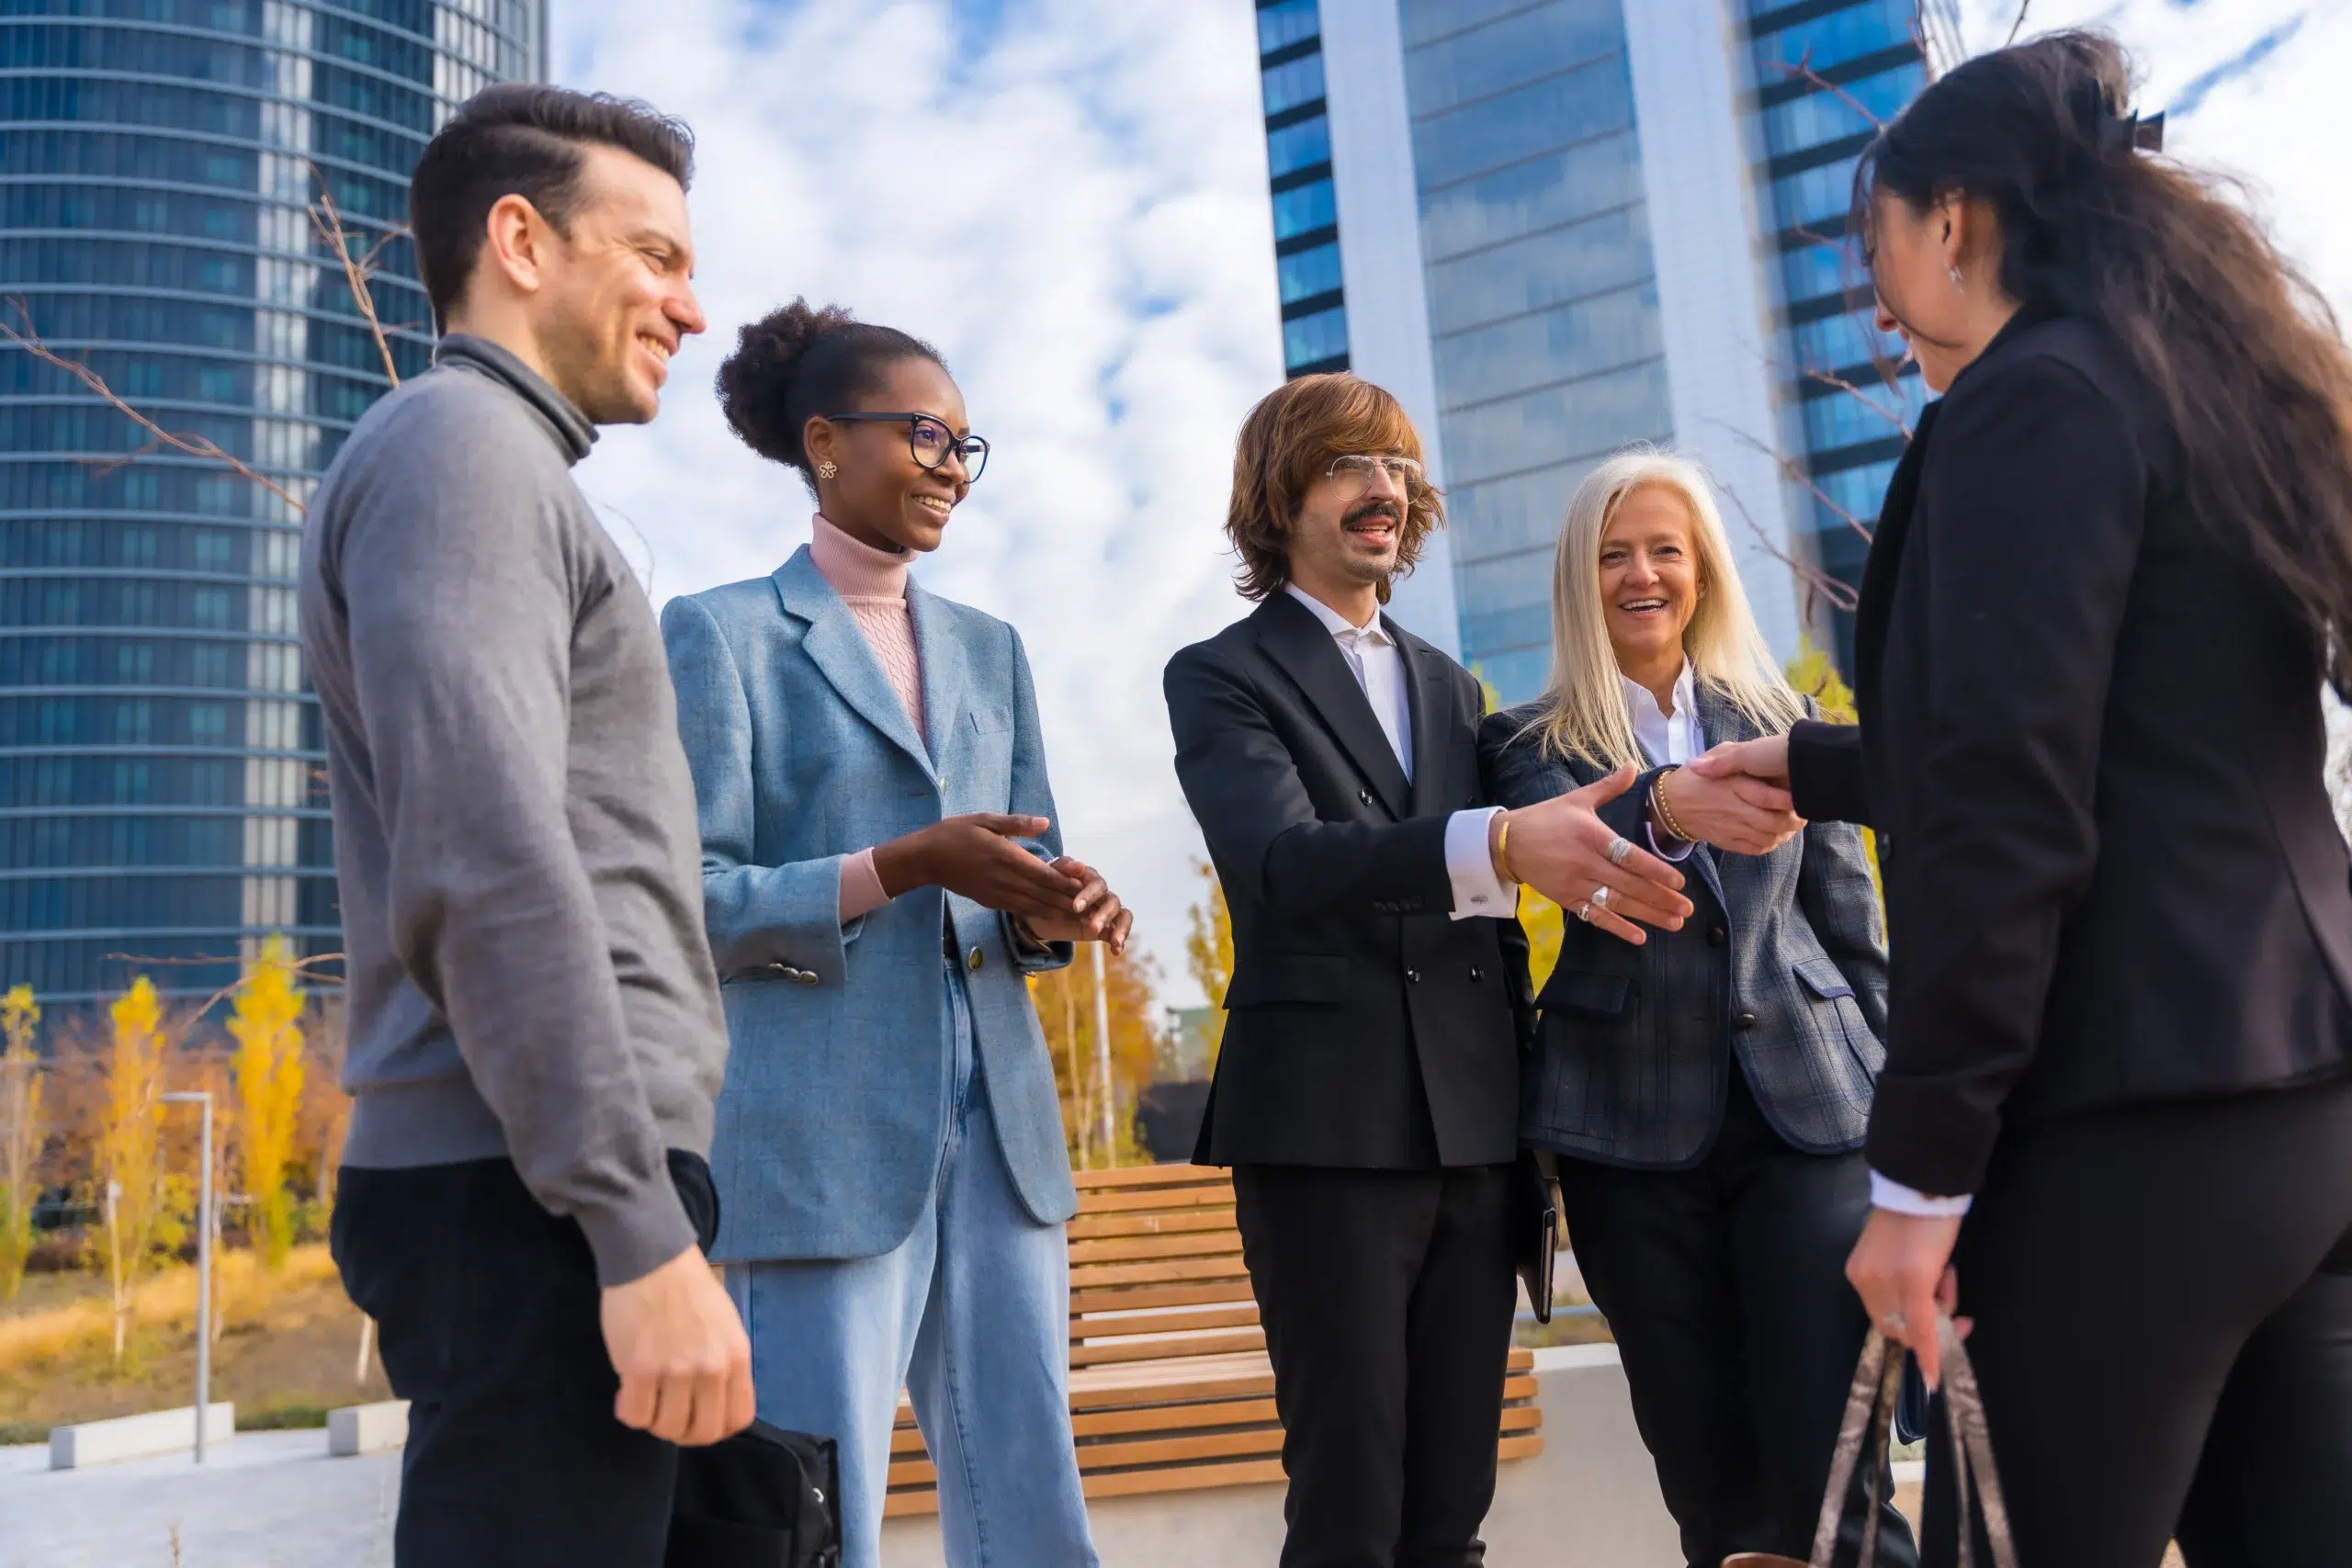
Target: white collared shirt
(1665,738)
(1370,653)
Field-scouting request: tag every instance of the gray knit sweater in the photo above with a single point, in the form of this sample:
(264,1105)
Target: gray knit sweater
(514,824)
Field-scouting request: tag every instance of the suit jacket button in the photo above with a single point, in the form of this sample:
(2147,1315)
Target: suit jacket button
(1745,1020)
(1363,797)
(1718,936)
(1413,977)
(806,976)
(972,960)
(1477,974)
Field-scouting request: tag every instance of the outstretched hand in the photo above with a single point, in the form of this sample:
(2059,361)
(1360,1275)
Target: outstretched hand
(1765,759)
(980,856)
(1560,848)
(1740,812)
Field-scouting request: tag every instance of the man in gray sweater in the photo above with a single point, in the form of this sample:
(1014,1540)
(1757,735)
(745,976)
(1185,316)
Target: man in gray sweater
(535,1039)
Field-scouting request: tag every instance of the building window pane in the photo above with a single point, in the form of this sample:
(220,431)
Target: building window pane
(1305,209)
(1308,273)
(1309,340)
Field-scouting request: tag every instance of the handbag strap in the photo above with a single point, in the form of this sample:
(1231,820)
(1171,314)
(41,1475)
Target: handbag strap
(1868,1424)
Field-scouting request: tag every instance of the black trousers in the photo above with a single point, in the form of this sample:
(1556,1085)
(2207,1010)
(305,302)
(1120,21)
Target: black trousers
(487,1314)
(2150,1313)
(1725,1288)
(1388,1297)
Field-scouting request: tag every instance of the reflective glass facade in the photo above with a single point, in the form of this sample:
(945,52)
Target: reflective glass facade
(1543,296)
(1298,160)
(161,799)
(1825,71)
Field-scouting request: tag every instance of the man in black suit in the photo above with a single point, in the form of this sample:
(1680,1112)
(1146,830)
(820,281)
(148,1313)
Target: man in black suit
(1367,1091)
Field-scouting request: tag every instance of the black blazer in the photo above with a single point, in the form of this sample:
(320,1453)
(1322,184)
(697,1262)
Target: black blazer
(1779,971)
(1365,1026)
(2091,743)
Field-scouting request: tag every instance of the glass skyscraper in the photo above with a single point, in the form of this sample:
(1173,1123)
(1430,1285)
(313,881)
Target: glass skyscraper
(1557,227)
(161,799)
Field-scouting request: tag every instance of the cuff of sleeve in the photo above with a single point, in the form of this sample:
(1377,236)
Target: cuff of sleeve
(1478,892)
(861,891)
(1668,847)
(1890,1194)
(642,1228)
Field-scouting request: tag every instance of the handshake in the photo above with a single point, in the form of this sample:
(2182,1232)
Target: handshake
(1735,797)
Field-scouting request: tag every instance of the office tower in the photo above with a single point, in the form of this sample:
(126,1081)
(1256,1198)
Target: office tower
(1555,227)
(162,803)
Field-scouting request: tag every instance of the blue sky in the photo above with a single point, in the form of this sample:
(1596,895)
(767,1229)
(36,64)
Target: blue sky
(1067,198)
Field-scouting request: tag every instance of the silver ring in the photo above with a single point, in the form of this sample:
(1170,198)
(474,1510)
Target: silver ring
(1618,850)
(1584,911)
(1600,896)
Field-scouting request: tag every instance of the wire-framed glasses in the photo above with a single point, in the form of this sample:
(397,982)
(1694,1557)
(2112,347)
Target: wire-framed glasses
(930,440)
(1360,468)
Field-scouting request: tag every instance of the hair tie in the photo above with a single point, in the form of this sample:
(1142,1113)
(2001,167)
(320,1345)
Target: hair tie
(2129,134)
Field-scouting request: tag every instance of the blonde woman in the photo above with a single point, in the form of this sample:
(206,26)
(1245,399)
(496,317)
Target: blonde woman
(1705,1093)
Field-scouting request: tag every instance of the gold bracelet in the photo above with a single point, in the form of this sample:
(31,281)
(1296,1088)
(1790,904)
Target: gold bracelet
(1502,848)
(1664,812)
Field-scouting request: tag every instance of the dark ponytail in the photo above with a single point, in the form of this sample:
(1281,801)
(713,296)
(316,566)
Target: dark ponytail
(2241,351)
(799,362)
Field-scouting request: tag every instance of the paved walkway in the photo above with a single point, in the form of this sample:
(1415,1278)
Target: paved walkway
(261,1500)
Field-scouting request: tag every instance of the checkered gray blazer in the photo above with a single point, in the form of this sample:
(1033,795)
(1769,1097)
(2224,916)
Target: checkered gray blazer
(1781,969)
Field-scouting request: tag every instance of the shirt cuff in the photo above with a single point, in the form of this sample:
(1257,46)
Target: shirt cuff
(861,887)
(1682,847)
(1478,892)
(1895,1198)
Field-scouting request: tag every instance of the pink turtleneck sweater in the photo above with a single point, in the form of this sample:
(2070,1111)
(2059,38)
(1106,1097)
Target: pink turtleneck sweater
(872,583)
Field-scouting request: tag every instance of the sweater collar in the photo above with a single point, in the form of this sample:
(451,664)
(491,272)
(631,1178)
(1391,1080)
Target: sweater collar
(856,570)
(570,427)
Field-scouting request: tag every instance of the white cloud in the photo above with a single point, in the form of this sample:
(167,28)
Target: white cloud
(1077,217)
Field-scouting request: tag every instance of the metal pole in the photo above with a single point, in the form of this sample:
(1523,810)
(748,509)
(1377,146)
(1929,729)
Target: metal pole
(203,1267)
(1102,1053)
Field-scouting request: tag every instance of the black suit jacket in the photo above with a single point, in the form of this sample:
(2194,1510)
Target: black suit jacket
(2091,743)
(1365,1027)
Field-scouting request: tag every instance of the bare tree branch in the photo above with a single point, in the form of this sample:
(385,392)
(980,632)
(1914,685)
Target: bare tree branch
(1832,380)
(327,218)
(1817,582)
(1795,473)
(1803,71)
(2025,9)
(26,338)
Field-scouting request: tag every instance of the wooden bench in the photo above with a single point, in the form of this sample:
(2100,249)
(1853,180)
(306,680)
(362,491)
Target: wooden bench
(1170,1390)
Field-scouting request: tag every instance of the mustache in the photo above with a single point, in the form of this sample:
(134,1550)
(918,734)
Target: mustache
(1388,509)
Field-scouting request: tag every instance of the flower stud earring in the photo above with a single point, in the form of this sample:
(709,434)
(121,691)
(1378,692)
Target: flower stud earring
(828,470)
(1960,284)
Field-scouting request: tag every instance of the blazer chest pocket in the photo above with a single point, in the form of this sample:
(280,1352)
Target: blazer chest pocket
(1584,995)
(1315,979)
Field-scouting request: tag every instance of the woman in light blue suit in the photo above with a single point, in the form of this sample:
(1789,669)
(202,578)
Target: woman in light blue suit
(881,873)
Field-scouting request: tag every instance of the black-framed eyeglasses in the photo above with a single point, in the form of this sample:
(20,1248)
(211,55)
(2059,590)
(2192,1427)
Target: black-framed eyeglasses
(930,440)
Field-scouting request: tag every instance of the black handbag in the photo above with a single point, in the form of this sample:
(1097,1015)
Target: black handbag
(762,1498)
(1536,1227)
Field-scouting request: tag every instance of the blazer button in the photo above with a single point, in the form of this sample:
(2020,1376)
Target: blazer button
(1363,797)
(1718,936)
(972,960)
(1412,976)
(1744,1021)
(1477,974)
(802,976)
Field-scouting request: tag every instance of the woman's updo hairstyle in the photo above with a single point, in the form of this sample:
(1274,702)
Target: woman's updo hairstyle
(796,363)
(2242,352)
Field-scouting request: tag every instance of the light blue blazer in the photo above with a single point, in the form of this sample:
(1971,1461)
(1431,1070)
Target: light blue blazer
(834,1115)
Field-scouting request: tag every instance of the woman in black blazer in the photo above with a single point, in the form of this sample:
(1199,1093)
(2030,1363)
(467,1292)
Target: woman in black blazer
(2110,576)
(1705,1092)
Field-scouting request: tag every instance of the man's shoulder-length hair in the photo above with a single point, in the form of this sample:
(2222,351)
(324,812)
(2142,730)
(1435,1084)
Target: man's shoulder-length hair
(1287,444)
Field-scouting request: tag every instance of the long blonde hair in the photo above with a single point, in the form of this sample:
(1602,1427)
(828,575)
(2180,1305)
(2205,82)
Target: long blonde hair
(1582,714)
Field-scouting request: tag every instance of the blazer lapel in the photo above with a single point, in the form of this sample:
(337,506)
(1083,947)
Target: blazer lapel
(839,649)
(1296,641)
(1433,708)
(946,675)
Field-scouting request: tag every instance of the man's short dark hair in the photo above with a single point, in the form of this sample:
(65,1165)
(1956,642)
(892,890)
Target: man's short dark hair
(522,138)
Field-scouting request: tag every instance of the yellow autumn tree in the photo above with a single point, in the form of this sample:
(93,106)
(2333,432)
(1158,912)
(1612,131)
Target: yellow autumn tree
(1209,952)
(20,1134)
(1813,674)
(1065,1003)
(265,1025)
(130,1165)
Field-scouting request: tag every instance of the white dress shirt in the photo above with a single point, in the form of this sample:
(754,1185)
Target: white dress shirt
(1370,653)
